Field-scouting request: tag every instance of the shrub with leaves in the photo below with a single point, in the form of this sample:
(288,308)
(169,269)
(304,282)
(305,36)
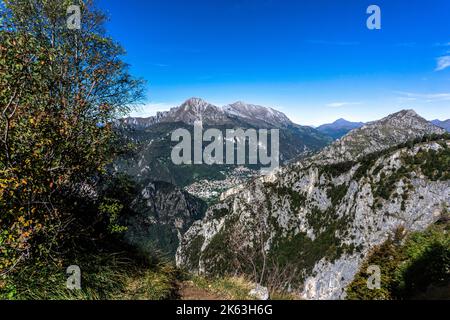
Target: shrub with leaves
(60,92)
(417,266)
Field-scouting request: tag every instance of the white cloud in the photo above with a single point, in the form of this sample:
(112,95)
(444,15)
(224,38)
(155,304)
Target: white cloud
(424,97)
(341,104)
(150,109)
(443,63)
(442,44)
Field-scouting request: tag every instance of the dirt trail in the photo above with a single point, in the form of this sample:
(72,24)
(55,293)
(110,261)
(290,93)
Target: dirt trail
(188,291)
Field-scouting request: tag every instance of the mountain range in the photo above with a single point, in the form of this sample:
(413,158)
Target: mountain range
(308,227)
(443,124)
(152,137)
(196,109)
(167,200)
(339,128)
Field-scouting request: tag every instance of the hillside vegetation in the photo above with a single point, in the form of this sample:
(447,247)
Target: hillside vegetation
(60,90)
(413,266)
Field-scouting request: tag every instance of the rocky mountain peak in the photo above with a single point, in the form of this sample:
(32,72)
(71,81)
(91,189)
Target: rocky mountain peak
(375,136)
(196,109)
(406,116)
(239,104)
(406,121)
(257,113)
(341,121)
(404,113)
(196,104)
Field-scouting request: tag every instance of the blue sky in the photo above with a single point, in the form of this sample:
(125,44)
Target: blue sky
(314,60)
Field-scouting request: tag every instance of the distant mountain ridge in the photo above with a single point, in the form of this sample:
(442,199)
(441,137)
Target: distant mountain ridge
(196,109)
(339,128)
(377,135)
(443,124)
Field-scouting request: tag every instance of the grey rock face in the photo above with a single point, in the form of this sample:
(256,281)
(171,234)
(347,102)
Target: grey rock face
(196,109)
(255,113)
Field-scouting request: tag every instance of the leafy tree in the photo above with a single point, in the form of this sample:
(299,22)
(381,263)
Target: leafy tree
(387,257)
(417,266)
(60,93)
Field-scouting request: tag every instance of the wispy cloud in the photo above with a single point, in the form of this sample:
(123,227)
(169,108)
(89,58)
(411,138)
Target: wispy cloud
(442,44)
(341,104)
(423,97)
(442,63)
(150,109)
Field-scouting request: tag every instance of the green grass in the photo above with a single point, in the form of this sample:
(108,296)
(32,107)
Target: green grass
(103,277)
(231,288)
